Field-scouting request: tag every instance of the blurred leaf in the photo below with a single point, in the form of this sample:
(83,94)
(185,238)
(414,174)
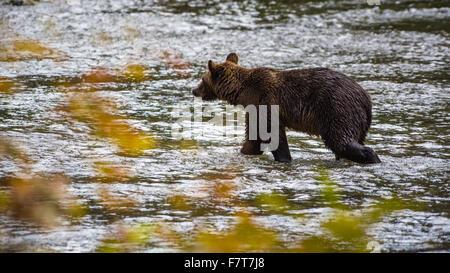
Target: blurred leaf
(10,149)
(129,73)
(345,227)
(126,239)
(222,191)
(136,72)
(316,244)
(135,238)
(274,202)
(244,236)
(4,200)
(176,62)
(97,111)
(42,199)
(329,189)
(99,75)
(24,49)
(102,38)
(114,203)
(179,202)
(130,33)
(112,173)
(51,27)
(6,85)
(217,176)
(381,209)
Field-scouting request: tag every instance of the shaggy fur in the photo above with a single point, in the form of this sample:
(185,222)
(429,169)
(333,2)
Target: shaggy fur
(317,101)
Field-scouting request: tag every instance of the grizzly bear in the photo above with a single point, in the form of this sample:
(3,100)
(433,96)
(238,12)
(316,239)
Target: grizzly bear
(317,101)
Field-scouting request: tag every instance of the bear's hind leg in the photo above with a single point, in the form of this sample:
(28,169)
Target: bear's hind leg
(359,153)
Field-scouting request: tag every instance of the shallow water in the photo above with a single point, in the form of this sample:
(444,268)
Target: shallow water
(398,51)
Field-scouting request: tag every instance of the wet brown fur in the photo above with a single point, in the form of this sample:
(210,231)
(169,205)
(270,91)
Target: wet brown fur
(317,101)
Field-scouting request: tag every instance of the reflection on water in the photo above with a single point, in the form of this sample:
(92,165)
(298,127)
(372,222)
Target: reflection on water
(398,51)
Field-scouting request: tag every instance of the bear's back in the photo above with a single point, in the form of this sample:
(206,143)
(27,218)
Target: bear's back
(314,97)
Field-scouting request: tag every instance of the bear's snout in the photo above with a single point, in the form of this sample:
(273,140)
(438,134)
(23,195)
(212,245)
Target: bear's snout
(195,92)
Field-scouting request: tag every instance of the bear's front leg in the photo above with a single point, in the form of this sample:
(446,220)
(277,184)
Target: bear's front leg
(282,153)
(250,147)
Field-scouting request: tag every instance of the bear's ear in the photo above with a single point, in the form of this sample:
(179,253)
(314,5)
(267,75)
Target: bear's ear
(211,66)
(233,57)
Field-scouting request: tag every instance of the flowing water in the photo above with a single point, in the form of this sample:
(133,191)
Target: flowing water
(398,51)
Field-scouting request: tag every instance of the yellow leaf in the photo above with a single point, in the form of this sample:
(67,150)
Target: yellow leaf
(136,73)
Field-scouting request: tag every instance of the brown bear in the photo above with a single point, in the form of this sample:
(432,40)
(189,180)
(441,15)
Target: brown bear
(317,101)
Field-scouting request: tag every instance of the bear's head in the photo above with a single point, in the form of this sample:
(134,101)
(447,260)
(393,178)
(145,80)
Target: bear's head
(220,79)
